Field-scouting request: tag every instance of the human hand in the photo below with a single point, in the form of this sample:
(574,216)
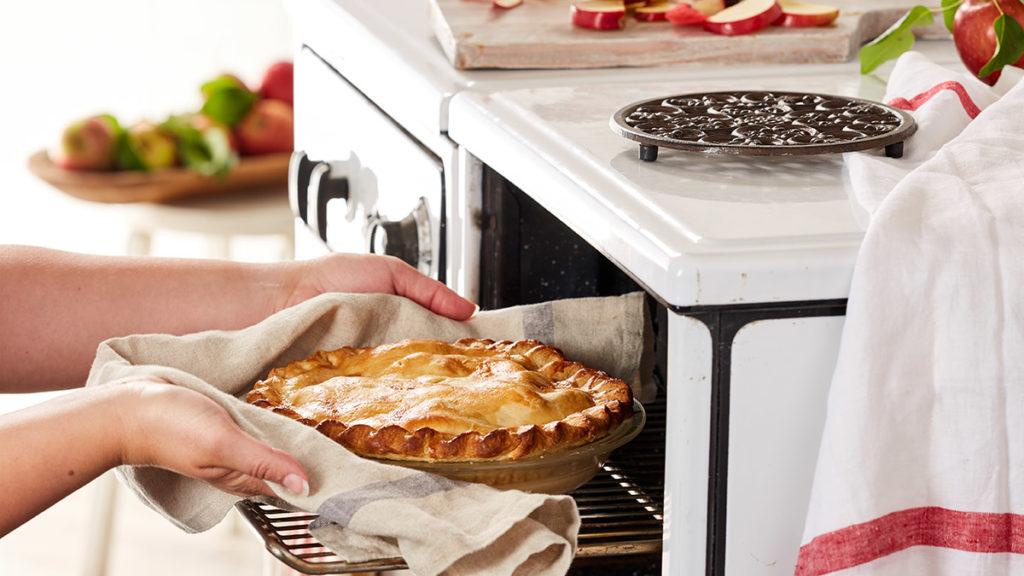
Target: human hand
(375,273)
(183,431)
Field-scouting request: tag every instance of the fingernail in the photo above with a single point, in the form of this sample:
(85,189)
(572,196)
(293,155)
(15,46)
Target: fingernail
(476,308)
(296,485)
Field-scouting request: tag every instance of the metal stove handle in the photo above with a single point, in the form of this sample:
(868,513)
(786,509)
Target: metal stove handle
(407,239)
(299,169)
(327,181)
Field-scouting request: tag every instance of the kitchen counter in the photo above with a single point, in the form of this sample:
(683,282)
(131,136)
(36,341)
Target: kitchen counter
(695,231)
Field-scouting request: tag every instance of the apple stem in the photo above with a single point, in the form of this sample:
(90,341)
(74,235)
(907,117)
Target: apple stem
(1000,8)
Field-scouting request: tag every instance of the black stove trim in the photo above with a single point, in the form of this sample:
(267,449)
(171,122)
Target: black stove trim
(723,323)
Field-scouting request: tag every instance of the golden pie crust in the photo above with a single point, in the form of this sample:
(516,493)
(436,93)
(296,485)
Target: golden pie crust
(462,401)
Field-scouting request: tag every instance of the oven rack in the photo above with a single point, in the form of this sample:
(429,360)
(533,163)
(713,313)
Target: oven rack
(620,508)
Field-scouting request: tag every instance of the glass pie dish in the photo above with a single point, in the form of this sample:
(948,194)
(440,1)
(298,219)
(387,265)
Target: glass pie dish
(556,473)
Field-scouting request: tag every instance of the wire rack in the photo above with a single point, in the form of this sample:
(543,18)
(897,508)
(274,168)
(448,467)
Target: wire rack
(621,510)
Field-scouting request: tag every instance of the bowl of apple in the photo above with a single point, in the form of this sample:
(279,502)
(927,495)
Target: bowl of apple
(240,139)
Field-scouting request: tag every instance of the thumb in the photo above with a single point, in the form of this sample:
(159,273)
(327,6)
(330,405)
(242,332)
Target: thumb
(261,462)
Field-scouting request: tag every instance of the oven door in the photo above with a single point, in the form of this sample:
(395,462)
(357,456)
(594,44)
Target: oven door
(358,182)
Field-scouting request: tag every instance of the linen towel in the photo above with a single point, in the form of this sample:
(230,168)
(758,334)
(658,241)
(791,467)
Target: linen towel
(921,463)
(372,510)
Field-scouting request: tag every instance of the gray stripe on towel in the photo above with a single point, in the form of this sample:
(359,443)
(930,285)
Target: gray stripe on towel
(539,322)
(340,508)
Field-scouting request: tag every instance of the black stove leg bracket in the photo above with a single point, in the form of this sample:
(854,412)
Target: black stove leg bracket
(724,322)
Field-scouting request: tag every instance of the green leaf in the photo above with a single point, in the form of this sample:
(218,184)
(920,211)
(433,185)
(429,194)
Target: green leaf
(221,158)
(949,8)
(112,121)
(207,152)
(229,104)
(222,82)
(127,154)
(895,41)
(1009,45)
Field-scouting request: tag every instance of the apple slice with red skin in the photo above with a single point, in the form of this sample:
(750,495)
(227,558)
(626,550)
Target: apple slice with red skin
(599,14)
(654,12)
(707,7)
(506,4)
(743,18)
(804,15)
(634,4)
(685,15)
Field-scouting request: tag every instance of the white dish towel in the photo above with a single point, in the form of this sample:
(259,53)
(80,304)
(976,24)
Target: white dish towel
(921,466)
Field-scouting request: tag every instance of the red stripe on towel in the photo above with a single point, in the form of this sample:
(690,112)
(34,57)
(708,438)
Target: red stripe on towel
(917,101)
(929,526)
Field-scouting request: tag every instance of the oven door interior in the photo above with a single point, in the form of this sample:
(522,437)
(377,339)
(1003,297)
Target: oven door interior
(358,181)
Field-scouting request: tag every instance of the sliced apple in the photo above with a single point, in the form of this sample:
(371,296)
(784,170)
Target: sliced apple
(599,14)
(506,4)
(685,15)
(634,4)
(803,15)
(653,12)
(743,18)
(708,7)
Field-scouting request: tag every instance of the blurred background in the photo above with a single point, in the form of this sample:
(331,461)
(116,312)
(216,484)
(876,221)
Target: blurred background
(137,59)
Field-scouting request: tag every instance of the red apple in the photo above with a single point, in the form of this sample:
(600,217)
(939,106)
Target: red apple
(278,82)
(973,34)
(708,7)
(685,15)
(89,144)
(599,14)
(506,3)
(267,128)
(743,18)
(155,148)
(653,12)
(802,15)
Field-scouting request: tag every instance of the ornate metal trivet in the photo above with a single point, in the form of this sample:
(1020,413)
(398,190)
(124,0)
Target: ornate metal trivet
(763,124)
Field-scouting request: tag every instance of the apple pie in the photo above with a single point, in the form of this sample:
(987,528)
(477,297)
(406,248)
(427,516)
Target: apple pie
(438,401)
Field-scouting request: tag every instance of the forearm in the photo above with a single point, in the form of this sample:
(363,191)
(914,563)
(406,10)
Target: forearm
(54,448)
(56,307)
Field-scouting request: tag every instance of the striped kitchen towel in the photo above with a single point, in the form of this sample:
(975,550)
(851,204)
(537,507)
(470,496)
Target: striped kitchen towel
(923,447)
(367,509)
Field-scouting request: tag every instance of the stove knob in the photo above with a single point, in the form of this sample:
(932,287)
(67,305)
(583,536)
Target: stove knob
(326,182)
(407,239)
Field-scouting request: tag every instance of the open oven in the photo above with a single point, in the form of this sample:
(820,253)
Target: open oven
(719,481)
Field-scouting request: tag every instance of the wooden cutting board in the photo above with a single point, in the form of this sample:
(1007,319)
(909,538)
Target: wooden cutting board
(539,34)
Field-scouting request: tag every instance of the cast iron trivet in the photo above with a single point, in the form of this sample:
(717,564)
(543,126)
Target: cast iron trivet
(763,124)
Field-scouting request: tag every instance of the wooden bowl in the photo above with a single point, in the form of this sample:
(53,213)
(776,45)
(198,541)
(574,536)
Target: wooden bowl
(251,173)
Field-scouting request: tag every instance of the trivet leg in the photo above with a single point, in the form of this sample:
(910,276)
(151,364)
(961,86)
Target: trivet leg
(894,150)
(648,153)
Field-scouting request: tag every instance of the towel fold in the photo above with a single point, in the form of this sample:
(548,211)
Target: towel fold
(368,509)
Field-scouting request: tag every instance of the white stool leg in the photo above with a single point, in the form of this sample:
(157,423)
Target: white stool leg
(287,247)
(139,243)
(100,535)
(219,246)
